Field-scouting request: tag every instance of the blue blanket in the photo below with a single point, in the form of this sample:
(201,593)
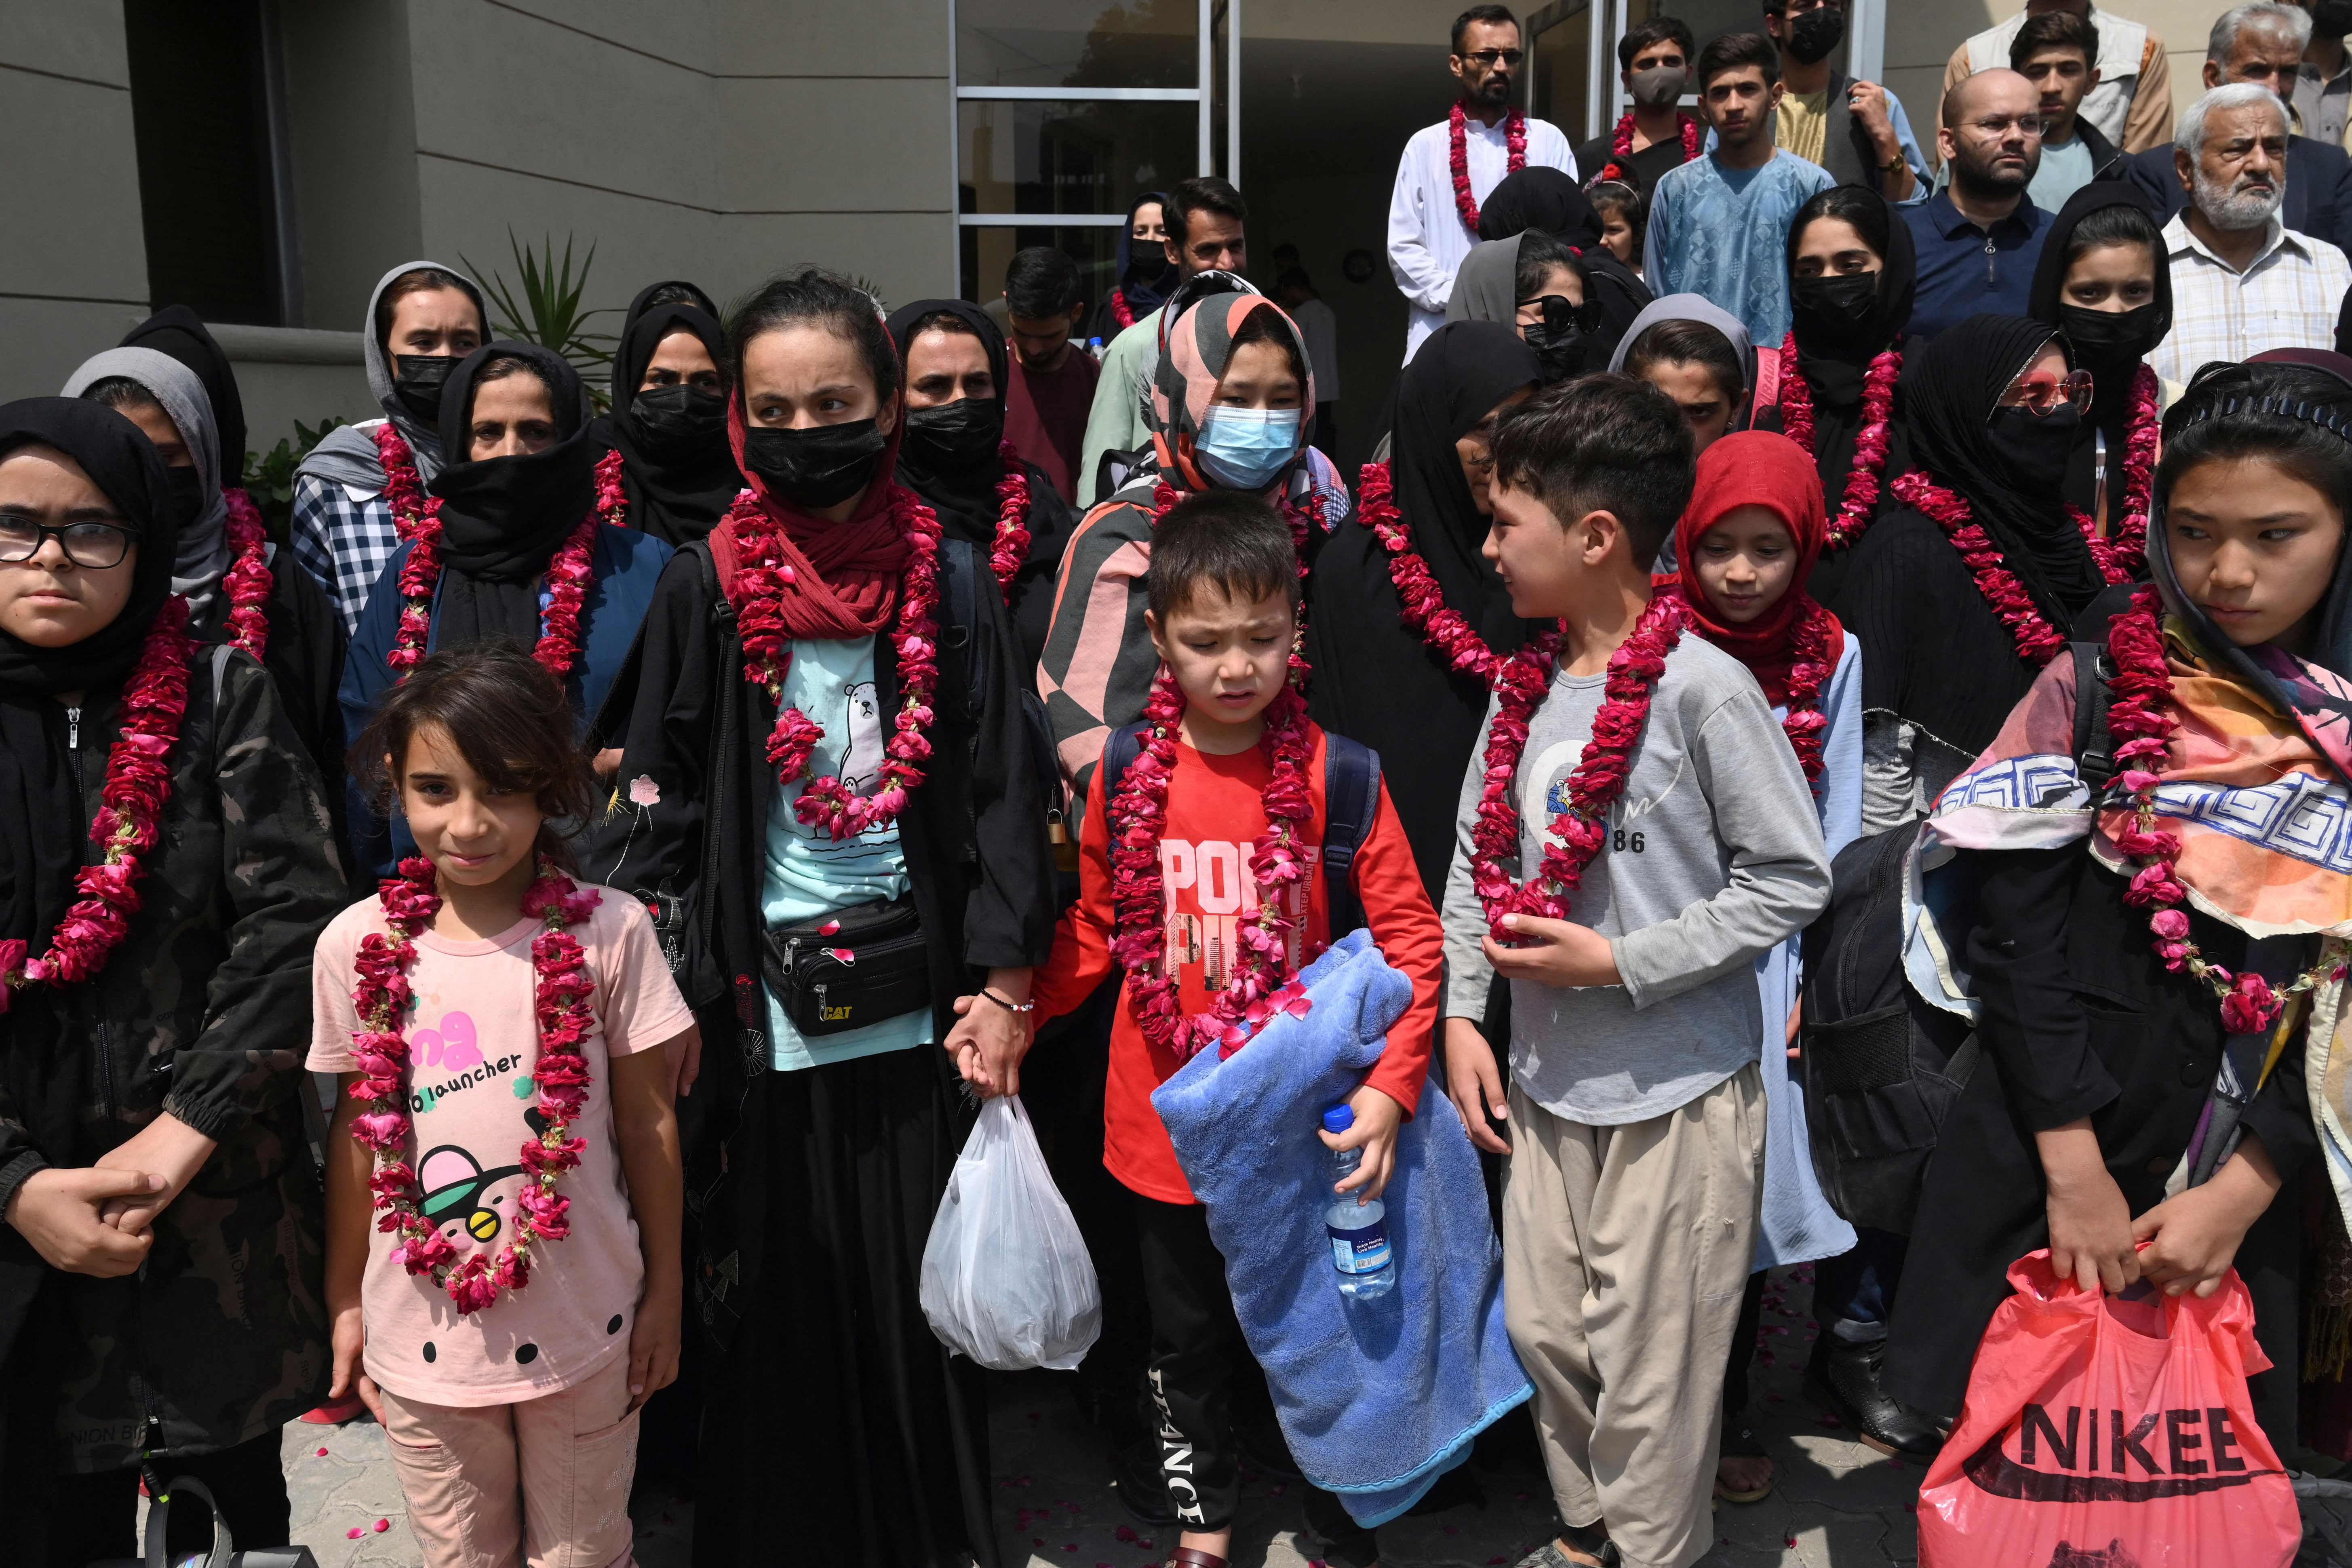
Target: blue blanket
(1378,1398)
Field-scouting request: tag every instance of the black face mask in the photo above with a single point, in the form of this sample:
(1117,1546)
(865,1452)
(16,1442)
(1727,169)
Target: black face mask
(2110,336)
(1559,339)
(418,380)
(1813,35)
(955,436)
(187,493)
(676,423)
(2332,18)
(2037,445)
(1833,309)
(820,467)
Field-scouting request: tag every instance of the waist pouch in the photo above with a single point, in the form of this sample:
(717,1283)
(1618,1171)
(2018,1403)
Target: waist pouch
(850,968)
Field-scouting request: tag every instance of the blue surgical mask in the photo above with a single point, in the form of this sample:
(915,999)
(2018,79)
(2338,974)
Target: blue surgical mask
(1247,448)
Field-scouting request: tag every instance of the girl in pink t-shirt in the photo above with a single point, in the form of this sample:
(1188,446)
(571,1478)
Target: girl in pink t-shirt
(503,1179)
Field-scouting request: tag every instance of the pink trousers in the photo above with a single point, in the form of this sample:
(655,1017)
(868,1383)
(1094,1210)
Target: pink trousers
(543,1482)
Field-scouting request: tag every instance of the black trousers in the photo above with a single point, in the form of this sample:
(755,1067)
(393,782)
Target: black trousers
(96,1516)
(1197,1349)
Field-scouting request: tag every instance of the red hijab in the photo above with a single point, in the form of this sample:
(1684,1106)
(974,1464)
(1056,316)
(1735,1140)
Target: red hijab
(845,575)
(1758,467)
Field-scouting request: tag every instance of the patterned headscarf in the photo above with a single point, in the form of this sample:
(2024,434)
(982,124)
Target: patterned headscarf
(1200,347)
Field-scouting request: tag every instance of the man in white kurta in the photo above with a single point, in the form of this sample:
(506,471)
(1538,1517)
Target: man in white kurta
(1427,238)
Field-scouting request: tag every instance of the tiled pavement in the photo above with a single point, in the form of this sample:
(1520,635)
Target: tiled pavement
(1838,1504)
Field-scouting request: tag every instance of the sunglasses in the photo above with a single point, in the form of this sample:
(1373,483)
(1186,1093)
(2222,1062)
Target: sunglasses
(2043,394)
(1491,58)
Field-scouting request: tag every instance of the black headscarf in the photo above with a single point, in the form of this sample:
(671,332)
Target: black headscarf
(680,480)
(503,518)
(2112,369)
(674,286)
(1834,368)
(43,820)
(1375,680)
(1540,198)
(964,495)
(1144,280)
(180,332)
(1951,385)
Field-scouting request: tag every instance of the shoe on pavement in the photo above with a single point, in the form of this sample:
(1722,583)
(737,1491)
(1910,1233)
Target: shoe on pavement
(1851,1379)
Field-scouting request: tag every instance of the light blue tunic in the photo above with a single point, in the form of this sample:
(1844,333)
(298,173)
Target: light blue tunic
(805,874)
(1798,1223)
(1723,234)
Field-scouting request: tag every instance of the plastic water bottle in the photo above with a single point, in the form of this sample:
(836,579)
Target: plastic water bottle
(1359,1232)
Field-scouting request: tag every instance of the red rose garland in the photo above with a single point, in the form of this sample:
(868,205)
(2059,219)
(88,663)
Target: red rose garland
(1520,685)
(1424,610)
(138,782)
(2139,717)
(246,581)
(2037,641)
(381,996)
(404,491)
(1011,549)
(827,803)
(1120,310)
(1809,672)
(1861,485)
(2121,555)
(1621,146)
(1260,970)
(569,573)
(1515,142)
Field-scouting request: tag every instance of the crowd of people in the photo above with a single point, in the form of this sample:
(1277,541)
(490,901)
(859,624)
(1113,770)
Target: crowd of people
(1809,585)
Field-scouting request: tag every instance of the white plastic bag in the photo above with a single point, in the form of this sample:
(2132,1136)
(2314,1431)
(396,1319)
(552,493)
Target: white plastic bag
(1006,1276)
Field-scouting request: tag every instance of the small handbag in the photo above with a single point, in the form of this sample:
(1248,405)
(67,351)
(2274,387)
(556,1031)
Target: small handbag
(850,968)
(224,1554)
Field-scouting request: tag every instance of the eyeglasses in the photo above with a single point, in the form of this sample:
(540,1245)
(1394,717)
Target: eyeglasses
(97,545)
(2043,394)
(2029,125)
(1490,57)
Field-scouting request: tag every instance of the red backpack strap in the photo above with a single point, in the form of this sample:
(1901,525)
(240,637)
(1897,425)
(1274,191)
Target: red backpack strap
(1768,381)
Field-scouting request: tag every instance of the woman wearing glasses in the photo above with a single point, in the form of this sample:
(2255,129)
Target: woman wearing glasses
(1968,585)
(165,869)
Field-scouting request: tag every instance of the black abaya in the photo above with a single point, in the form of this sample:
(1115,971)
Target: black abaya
(1375,681)
(678,473)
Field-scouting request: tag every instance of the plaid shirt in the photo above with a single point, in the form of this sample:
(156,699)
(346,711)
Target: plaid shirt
(2287,297)
(343,540)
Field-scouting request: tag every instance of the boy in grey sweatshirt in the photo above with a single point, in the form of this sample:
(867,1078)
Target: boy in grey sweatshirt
(1635,1115)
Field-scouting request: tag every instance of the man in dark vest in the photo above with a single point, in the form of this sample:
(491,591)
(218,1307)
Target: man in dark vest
(1856,129)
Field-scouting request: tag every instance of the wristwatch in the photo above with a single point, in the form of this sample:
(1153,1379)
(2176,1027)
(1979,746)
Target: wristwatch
(1893,165)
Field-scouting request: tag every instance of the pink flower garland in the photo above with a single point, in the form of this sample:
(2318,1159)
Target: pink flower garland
(2037,641)
(1808,669)
(2121,556)
(1520,685)
(570,573)
(138,782)
(1861,485)
(1120,311)
(382,997)
(759,585)
(404,491)
(1423,608)
(246,581)
(2139,717)
(1515,142)
(1621,146)
(1011,549)
(1259,983)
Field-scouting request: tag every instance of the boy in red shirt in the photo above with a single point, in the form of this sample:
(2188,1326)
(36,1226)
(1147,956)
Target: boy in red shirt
(1223,599)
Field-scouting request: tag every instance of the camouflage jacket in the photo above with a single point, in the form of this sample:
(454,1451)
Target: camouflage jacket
(204,1011)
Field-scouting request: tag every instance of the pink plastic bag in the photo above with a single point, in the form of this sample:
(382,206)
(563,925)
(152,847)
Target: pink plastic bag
(2111,1431)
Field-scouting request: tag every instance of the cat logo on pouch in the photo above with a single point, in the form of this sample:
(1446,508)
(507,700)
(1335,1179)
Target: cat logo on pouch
(833,1015)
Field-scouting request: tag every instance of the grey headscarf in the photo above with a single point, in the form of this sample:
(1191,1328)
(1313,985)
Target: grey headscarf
(203,553)
(348,455)
(1485,286)
(1688,308)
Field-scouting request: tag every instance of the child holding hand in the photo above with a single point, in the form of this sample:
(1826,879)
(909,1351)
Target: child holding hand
(1634,833)
(1218,824)
(503,1036)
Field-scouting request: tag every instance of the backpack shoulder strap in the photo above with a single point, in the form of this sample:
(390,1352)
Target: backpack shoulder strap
(959,602)
(1351,799)
(2095,747)
(1768,381)
(1126,744)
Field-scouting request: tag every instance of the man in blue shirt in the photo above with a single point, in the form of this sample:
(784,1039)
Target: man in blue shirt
(1719,223)
(1978,239)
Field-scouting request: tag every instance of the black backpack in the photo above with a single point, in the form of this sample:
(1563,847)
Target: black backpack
(1881,1064)
(1351,798)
